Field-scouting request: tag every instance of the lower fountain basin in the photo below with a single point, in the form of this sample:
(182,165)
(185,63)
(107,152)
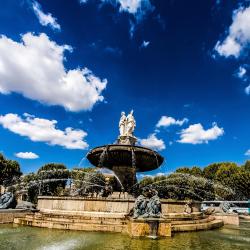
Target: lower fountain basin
(145,159)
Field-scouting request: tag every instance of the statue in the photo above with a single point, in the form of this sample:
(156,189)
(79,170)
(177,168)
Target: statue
(127,127)
(140,206)
(188,208)
(153,206)
(148,204)
(7,200)
(122,124)
(131,124)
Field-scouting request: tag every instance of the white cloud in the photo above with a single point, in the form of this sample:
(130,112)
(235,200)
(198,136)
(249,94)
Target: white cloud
(45,19)
(196,134)
(238,35)
(83,1)
(136,8)
(167,121)
(247,152)
(43,130)
(27,155)
(145,44)
(241,73)
(247,90)
(36,70)
(153,142)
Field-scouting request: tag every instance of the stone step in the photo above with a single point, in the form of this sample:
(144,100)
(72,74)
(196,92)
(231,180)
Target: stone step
(196,227)
(72,226)
(180,222)
(103,221)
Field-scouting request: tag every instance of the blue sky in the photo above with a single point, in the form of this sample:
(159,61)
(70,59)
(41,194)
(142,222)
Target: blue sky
(68,68)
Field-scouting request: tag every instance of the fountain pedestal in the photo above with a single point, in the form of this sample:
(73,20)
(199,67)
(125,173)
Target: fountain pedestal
(126,140)
(126,175)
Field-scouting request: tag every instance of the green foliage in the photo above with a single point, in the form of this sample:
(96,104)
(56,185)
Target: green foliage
(223,181)
(246,166)
(52,177)
(209,172)
(9,171)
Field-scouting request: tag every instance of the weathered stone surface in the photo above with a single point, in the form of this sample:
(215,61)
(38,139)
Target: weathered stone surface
(149,228)
(165,229)
(7,200)
(8,215)
(25,205)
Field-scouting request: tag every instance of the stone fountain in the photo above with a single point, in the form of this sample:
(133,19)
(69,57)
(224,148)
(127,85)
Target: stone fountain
(147,215)
(124,158)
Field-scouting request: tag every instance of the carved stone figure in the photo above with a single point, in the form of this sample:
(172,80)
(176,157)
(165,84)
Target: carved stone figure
(140,206)
(131,124)
(188,208)
(7,200)
(147,205)
(154,207)
(25,205)
(123,124)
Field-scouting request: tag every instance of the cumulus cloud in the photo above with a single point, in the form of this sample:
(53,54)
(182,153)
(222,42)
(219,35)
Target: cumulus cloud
(153,142)
(145,44)
(45,19)
(247,90)
(241,73)
(167,121)
(196,134)
(138,9)
(238,35)
(83,1)
(43,130)
(247,152)
(27,155)
(36,70)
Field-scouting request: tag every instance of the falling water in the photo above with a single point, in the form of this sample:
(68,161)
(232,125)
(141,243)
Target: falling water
(83,158)
(117,178)
(133,158)
(156,158)
(103,156)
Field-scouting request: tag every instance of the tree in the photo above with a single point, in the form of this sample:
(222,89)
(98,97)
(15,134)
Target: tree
(209,172)
(226,176)
(246,166)
(9,171)
(196,171)
(183,170)
(53,178)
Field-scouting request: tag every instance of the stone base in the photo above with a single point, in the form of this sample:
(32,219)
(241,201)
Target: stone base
(126,175)
(111,215)
(8,215)
(152,228)
(228,219)
(127,140)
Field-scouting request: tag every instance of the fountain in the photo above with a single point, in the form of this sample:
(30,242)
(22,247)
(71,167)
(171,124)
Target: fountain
(147,215)
(124,157)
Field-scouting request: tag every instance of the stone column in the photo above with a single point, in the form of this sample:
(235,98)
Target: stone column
(126,175)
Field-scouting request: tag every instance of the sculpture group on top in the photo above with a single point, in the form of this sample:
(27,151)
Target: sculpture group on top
(127,124)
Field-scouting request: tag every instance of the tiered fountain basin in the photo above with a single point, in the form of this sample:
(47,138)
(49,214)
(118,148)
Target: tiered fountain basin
(112,215)
(125,161)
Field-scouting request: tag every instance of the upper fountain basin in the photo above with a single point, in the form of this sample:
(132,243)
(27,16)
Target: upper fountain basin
(121,155)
